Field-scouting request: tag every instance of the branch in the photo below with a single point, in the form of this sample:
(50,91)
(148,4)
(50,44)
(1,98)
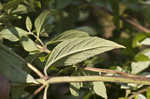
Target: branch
(119,79)
(110,71)
(33,68)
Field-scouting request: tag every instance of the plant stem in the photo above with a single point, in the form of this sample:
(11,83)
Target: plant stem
(33,68)
(67,79)
(109,71)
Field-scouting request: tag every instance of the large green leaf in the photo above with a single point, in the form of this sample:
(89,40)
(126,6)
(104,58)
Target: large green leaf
(40,20)
(11,66)
(76,50)
(68,35)
(13,33)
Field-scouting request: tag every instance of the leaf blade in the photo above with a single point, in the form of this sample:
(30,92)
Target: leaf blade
(76,50)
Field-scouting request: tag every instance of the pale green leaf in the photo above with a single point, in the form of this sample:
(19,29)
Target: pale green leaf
(137,67)
(146,41)
(68,35)
(28,24)
(100,89)
(137,39)
(40,20)
(74,88)
(13,33)
(28,44)
(76,50)
(12,66)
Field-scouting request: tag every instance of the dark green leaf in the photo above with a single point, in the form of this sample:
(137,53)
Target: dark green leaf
(12,67)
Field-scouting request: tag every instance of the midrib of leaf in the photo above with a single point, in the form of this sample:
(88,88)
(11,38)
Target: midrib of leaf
(73,52)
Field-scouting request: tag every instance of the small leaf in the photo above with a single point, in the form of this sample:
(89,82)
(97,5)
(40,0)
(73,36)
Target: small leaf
(28,24)
(137,67)
(146,41)
(143,56)
(13,33)
(28,44)
(76,50)
(12,66)
(100,89)
(74,88)
(137,39)
(68,35)
(40,20)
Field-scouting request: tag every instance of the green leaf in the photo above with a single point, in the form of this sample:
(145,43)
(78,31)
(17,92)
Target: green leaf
(40,20)
(146,41)
(77,50)
(148,94)
(28,24)
(68,35)
(28,44)
(12,67)
(136,41)
(137,67)
(143,56)
(74,88)
(100,89)
(13,33)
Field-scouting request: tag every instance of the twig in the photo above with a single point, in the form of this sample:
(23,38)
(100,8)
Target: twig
(35,70)
(68,79)
(37,91)
(138,92)
(109,71)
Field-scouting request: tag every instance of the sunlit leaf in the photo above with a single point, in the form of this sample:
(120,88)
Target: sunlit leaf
(100,89)
(74,88)
(40,20)
(76,50)
(68,35)
(28,24)
(137,67)
(146,41)
(28,44)
(13,33)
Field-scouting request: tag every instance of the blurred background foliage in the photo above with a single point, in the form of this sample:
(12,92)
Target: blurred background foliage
(126,22)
